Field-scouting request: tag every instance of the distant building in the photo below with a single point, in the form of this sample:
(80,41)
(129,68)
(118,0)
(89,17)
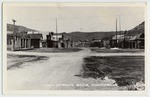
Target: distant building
(56,40)
(137,42)
(135,37)
(106,42)
(96,43)
(44,43)
(125,41)
(118,42)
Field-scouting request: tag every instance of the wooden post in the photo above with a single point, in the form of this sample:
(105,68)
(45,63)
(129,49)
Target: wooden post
(14,21)
(56,35)
(116,34)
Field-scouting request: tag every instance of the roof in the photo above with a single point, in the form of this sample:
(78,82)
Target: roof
(35,36)
(96,40)
(136,37)
(118,37)
(16,34)
(19,35)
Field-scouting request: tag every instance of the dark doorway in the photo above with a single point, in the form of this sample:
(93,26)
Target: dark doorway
(62,45)
(35,43)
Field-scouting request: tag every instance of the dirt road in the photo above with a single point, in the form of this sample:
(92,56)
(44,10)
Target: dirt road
(60,68)
(57,72)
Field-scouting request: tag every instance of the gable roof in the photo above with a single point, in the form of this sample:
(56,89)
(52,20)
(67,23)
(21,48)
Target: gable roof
(118,37)
(136,37)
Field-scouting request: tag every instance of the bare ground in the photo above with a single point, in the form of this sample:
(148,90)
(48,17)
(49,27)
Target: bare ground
(125,70)
(16,61)
(58,72)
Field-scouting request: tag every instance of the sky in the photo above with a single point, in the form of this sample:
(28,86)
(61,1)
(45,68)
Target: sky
(75,18)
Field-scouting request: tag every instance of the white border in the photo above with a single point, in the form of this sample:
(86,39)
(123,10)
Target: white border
(88,93)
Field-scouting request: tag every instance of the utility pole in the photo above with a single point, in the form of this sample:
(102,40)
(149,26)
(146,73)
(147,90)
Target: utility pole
(120,24)
(124,38)
(14,21)
(116,34)
(72,40)
(56,34)
(120,28)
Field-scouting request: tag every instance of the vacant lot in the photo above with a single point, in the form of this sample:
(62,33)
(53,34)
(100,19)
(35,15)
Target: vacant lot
(125,70)
(98,50)
(16,61)
(55,50)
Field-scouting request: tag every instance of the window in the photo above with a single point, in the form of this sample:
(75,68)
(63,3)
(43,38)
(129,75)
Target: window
(9,41)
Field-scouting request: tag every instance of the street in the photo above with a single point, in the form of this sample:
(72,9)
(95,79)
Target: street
(58,72)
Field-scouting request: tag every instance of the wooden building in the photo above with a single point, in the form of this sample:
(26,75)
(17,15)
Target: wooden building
(137,42)
(36,40)
(106,42)
(58,40)
(96,43)
(19,39)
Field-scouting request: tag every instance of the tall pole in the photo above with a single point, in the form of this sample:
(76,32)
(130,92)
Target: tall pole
(116,33)
(56,33)
(72,40)
(120,27)
(120,24)
(14,21)
(124,38)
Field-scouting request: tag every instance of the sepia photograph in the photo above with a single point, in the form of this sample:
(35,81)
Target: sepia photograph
(74,47)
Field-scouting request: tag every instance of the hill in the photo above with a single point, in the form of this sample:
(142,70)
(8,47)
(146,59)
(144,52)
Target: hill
(82,36)
(137,30)
(18,28)
(99,35)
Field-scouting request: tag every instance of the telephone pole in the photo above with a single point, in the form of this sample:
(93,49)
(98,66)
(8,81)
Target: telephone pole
(120,45)
(116,34)
(14,21)
(124,38)
(120,24)
(56,34)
